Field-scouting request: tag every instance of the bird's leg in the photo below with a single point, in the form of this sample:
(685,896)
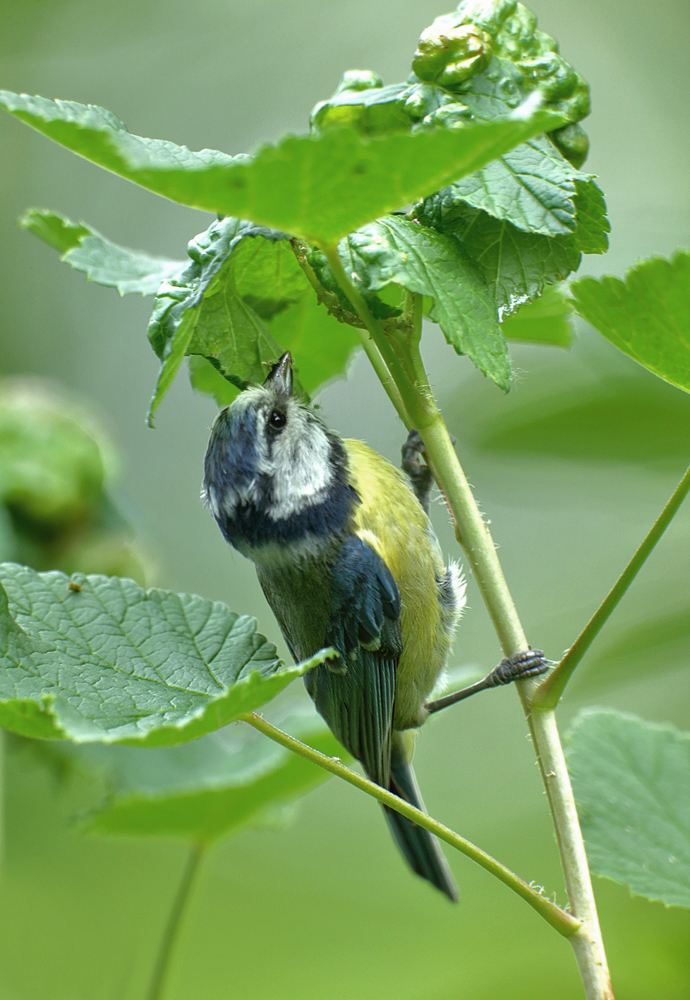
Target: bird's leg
(528,663)
(417,470)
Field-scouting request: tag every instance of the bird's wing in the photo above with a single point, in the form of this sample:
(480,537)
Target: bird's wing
(355,694)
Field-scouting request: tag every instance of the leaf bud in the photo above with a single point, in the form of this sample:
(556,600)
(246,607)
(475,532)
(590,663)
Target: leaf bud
(517,36)
(449,53)
(554,77)
(577,106)
(421,102)
(487,14)
(358,79)
(447,116)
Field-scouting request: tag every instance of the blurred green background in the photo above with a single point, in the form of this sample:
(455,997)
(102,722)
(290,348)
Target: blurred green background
(571,469)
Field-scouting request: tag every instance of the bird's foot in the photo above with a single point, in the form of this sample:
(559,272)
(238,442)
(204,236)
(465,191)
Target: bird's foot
(519,666)
(416,469)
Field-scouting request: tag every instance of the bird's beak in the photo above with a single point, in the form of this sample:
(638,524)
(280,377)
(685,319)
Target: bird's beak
(280,376)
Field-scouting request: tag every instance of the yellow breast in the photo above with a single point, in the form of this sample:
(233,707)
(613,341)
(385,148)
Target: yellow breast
(391,520)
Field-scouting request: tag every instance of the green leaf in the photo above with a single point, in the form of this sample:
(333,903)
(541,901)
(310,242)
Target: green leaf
(54,229)
(373,110)
(398,249)
(228,331)
(545,321)
(519,265)
(267,275)
(202,311)
(531,186)
(106,263)
(177,350)
(322,346)
(632,785)
(214,255)
(319,187)
(647,316)
(98,659)
(240,304)
(592,223)
(209,788)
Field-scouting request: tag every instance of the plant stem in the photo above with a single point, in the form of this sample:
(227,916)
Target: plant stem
(475,538)
(588,944)
(378,364)
(562,921)
(172,927)
(370,349)
(395,376)
(550,691)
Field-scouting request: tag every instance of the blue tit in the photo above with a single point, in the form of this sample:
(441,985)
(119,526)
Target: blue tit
(346,556)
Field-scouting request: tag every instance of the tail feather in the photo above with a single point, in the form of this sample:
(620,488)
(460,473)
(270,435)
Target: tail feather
(419,847)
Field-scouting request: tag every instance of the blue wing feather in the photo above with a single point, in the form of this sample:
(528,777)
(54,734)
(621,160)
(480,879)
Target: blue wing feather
(364,597)
(356,695)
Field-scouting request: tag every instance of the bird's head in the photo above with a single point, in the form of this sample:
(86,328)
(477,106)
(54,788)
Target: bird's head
(271,464)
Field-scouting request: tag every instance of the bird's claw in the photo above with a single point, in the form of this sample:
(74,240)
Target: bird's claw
(419,473)
(519,666)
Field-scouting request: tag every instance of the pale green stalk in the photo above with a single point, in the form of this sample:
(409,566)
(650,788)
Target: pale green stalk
(392,375)
(563,922)
(550,691)
(370,348)
(379,366)
(172,926)
(475,538)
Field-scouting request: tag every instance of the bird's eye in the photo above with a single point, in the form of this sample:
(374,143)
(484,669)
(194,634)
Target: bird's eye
(277,420)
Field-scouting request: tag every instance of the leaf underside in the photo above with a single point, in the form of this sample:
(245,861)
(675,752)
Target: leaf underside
(206,789)
(632,785)
(647,315)
(319,187)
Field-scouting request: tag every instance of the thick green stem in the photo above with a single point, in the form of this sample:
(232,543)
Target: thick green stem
(475,538)
(563,922)
(550,691)
(370,349)
(396,371)
(172,927)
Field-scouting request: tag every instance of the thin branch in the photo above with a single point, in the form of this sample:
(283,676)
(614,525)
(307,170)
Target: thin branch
(330,301)
(379,366)
(562,921)
(551,690)
(172,927)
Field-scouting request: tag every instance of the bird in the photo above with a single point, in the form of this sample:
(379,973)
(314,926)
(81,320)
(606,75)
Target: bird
(347,558)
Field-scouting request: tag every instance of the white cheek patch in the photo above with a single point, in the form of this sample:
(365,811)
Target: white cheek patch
(301,466)
(284,473)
